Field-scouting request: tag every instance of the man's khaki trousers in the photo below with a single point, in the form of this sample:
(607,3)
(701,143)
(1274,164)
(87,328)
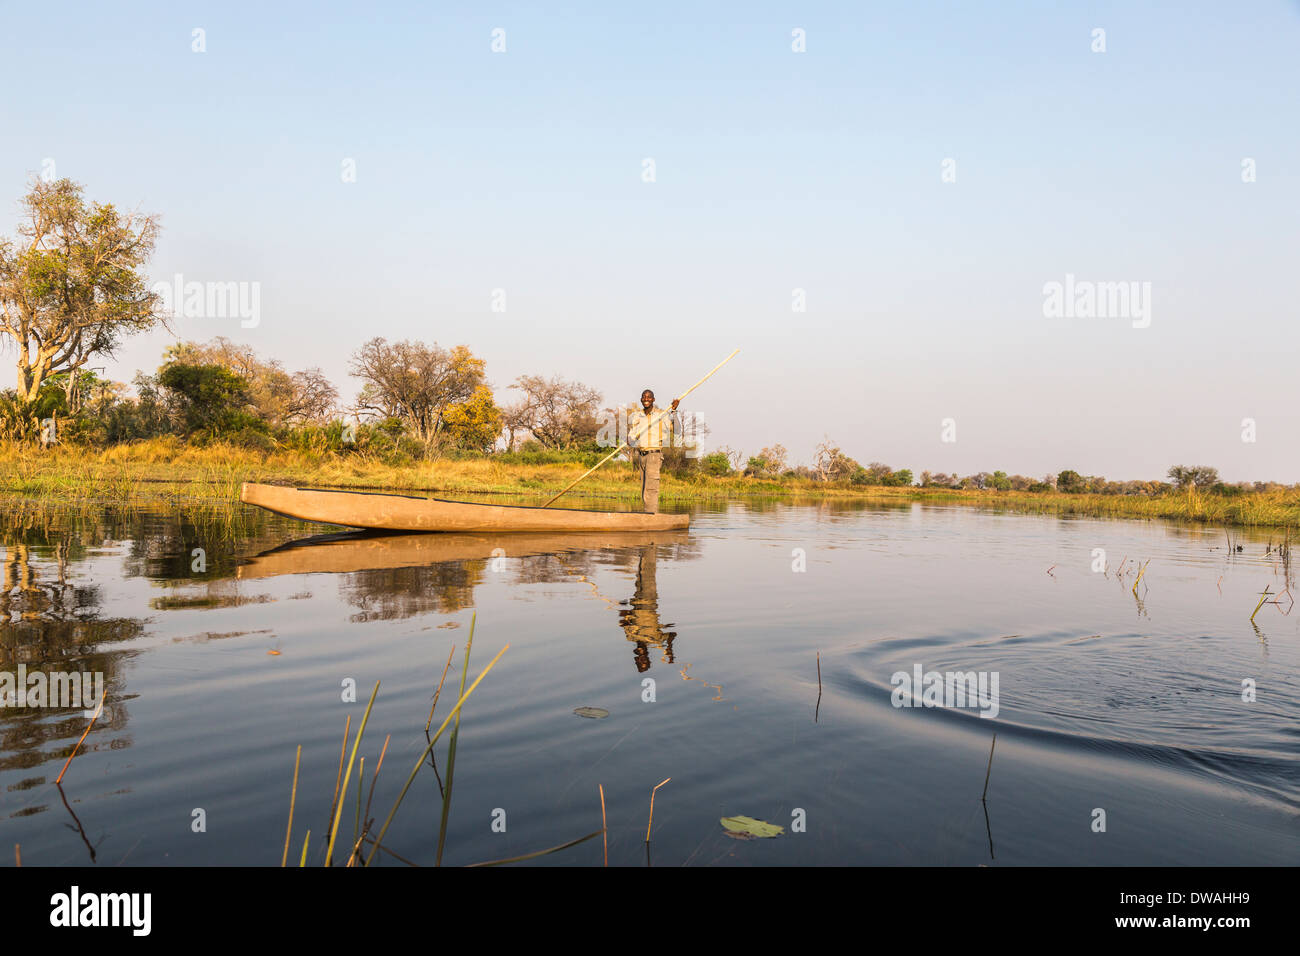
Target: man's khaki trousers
(651,461)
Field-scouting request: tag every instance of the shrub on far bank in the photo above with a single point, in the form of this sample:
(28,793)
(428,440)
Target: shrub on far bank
(716,465)
(881,475)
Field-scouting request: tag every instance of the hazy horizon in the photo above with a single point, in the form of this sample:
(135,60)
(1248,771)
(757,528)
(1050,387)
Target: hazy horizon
(1165,161)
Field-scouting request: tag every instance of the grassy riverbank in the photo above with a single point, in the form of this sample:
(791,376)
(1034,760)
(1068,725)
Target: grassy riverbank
(163,472)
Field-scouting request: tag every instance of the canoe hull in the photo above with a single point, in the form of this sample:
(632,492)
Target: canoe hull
(404,513)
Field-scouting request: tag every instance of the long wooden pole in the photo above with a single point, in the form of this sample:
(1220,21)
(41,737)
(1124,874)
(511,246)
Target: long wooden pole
(654,421)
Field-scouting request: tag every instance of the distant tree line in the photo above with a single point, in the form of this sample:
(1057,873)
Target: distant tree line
(831,464)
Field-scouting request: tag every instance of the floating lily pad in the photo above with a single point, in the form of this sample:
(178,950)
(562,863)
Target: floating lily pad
(747,828)
(595,712)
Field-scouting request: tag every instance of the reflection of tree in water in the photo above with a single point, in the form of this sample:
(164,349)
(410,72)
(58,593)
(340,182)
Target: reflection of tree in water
(52,620)
(389,594)
(160,544)
(48,623)
(561,566)
(824,506)
(221,592)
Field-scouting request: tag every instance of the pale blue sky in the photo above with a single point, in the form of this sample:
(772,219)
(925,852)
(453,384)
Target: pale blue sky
(775,170)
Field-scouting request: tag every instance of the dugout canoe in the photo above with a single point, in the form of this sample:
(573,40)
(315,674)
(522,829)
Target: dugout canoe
(351,551)
(362,509)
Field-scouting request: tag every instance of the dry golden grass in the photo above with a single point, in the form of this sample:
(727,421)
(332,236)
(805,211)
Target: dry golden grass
(166,470)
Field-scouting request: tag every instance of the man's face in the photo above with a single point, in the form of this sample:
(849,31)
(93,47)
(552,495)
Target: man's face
(647,399)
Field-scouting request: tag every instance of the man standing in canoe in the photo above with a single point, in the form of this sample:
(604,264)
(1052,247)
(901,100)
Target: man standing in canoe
(648,439)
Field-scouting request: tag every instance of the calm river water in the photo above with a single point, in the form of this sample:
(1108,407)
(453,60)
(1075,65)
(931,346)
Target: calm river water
(1155,725)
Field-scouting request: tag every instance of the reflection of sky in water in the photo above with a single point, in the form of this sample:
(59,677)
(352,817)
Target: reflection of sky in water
(1108,698)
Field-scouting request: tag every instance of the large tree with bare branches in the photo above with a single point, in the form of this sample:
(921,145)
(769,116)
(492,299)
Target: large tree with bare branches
(831,464)
(557,413)
(414,382)
(70,285)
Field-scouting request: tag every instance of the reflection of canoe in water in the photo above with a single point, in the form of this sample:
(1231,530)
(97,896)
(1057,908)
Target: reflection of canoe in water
(407,513)
(366,551)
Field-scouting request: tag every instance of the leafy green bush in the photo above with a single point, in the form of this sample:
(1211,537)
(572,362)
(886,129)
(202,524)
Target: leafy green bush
(1228,491)
(716,464)
(207,398)
(1070,482)
(881,476)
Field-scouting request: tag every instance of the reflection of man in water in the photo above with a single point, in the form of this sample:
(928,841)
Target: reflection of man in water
(641,618)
